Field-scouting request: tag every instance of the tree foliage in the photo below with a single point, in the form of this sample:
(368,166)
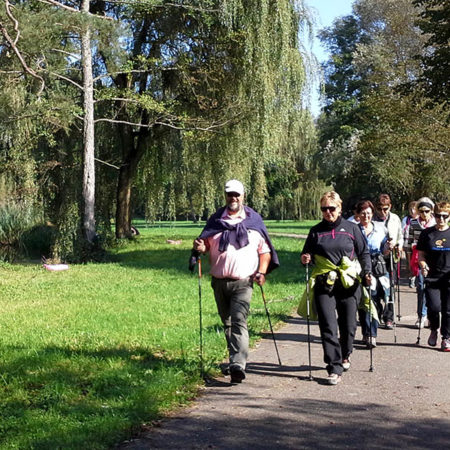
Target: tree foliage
(382,136)
(187,94)
(434,23)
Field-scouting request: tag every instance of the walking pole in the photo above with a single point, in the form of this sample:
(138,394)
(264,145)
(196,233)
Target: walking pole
(270,324)
(370,333)
(392,292)
(193,260)
(422,296)
(199,260)
(399,316)
(307,320)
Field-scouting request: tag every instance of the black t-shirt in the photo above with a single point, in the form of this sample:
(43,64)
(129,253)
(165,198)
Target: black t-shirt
(436,245)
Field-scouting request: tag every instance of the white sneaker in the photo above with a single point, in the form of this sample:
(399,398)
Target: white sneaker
(420,323)
(333,379)
(346,364)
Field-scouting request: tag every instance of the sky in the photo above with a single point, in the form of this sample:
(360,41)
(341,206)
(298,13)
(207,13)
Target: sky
(325,11)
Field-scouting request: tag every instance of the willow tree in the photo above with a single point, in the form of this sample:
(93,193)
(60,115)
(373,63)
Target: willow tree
(177,81)
(262,78)
(272,80)
(199,90)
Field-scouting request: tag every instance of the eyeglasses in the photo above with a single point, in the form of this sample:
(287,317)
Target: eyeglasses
(385,208)
(328,208)
(426,211)
(441,216)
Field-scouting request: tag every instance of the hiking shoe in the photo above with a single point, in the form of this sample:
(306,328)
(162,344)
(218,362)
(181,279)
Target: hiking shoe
(371,342)
(225,369)
(389,325)
(237,374)
(420,323)
(333,379)
(412,282)
(445,345)
(432,340)
(346,364)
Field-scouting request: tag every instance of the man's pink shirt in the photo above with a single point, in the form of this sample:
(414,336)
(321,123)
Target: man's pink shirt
(236,263)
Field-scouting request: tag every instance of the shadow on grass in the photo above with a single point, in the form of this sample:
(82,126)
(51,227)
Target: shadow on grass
(57,397)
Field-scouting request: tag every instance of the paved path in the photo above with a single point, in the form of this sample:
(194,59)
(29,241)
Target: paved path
(403,403)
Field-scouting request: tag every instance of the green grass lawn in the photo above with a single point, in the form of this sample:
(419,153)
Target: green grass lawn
(90,354)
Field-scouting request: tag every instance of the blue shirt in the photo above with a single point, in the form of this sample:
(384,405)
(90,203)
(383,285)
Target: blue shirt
(377,238)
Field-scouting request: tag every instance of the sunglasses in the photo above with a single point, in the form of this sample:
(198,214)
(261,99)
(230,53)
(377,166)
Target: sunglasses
(441,216)
(233,194)
(426,211)
(385,208)
(328,208)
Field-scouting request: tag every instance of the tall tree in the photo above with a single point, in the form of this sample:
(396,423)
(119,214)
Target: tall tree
(388,150)
(185,94)
(344,88)
(88,129)
(434,23)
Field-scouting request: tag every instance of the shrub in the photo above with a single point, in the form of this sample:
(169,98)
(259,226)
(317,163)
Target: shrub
(15,220)
(38,240)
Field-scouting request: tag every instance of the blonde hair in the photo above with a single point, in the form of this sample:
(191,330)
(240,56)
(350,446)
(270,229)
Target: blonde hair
(333,196)
(442,207)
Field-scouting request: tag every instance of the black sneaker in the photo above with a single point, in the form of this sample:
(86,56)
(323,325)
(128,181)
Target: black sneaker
(432,340)
(225,369)
(237,374)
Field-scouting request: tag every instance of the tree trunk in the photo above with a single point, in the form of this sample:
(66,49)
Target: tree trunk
(123,209)
(126,176)
(88,219)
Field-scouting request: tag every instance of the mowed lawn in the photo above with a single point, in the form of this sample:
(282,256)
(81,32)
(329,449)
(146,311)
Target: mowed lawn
(90,354)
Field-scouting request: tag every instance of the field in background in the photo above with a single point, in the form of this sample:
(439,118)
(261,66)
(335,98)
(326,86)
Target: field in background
(89,354)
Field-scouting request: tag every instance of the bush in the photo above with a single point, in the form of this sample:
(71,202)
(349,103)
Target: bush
(38,241)
(15,220)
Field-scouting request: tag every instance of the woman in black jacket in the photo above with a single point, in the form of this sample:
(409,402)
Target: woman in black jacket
(333,238)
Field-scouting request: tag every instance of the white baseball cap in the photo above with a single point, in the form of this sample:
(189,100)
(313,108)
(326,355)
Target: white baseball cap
(234,186)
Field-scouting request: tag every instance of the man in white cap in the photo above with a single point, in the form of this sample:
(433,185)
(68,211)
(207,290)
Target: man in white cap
(240,254)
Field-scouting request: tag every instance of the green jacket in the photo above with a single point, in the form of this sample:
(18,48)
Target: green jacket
(348,274)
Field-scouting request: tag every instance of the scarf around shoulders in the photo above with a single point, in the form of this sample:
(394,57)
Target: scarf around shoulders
(252,221)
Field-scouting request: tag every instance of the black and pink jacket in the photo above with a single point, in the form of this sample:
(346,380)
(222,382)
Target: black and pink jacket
(334,240)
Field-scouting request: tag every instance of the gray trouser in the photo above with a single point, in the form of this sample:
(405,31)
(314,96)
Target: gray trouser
(233,304)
